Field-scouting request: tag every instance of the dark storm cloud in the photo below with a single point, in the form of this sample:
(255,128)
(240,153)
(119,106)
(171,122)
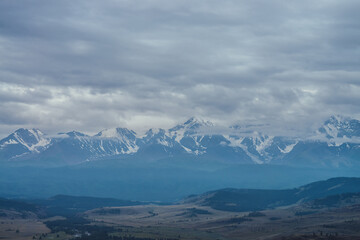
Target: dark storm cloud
(154,63)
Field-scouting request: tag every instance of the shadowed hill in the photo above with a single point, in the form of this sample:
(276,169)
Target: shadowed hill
(257,199)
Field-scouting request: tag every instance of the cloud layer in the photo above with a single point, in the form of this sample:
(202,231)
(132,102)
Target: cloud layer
(89,65)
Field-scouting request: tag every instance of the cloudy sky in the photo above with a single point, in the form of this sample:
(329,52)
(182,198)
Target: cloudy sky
(89,65)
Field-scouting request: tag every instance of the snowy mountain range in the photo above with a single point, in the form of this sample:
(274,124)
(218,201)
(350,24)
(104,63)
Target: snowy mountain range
(335,144)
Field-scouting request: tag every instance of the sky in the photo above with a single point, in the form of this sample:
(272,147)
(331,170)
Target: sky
(90,65)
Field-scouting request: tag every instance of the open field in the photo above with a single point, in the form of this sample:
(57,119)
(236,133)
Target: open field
(184,215)
(181,222)
(188,221)
(21,229)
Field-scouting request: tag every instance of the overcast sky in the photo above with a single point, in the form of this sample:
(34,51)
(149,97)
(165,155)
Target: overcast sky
(89,65)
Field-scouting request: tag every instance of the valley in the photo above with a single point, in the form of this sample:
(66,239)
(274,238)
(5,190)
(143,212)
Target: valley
(323,210)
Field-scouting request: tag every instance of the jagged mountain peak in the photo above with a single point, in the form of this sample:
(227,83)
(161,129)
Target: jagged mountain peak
(192,124)
(340,121)
(117,141)
(119,133)
(197,120)
(75,134)
(31,139)
(336,119)
(154,132)
(338,126)
(158,136)
(33,131)
(26,133)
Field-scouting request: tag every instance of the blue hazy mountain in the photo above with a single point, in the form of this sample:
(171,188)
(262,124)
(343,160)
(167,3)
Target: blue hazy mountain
(335,144)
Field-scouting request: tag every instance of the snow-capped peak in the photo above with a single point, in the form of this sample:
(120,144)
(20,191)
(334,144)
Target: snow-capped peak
(123,136)
(76,134)
(118,133)
(337,119)
(32,139)
(194,121)
(340,127)
(192,124)
(154,131)
(158,136)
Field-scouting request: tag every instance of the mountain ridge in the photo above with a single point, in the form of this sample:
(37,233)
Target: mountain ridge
(335,144)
